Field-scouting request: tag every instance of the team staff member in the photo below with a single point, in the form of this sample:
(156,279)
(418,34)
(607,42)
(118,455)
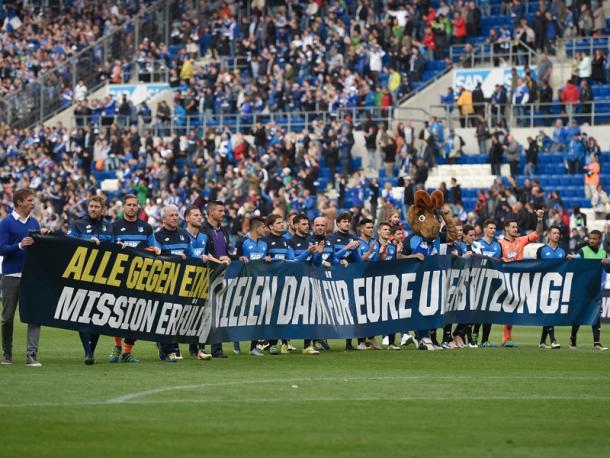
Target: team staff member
(369,251)
(15,230)
(346,250)
(593,250)
(302,248)
(324,255)
(132,232)
(218,246)
(95,228)
(199,242)
(551,250)
(251,247)
(512,250)
(277,250)
(488,246)
(173,241)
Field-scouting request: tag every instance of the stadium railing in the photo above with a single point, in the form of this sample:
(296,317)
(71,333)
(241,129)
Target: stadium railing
(291,121)
(530,115)
(41,99)
(483,54)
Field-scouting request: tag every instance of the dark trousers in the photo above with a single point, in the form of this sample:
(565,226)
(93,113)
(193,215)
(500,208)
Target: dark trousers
(10,298)
(596,328)
(89,342)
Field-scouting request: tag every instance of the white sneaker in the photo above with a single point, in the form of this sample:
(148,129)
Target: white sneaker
(472,345)
(555,345)
(393,347)
(543,345)
(202,355)
(600,347)
(385,341)
(362,346)
(407,339)
(425,344)
(373,344)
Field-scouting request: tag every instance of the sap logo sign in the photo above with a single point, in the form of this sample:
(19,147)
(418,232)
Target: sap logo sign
(470,80)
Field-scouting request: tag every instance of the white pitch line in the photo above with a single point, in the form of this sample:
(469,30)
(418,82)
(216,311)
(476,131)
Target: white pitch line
(311,399)
(139,394)
(134,398)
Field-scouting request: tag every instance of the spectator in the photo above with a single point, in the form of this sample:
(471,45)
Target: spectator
(570,96)
(600,202)
(585,21)
(597,67)
(499,99)
(585,67)
(531,157)
(545,67)
(551,32)
(574,155)
(599,19)
(592,172)
(482,134)
(586,99)
(578,220)
(464,104)
(495,154)
(459,28)
(521,98)
(513,151)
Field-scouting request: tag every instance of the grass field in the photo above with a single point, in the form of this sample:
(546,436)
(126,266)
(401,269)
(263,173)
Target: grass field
(472,402)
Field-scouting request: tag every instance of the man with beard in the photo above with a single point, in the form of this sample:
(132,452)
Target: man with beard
(345,250)
(131,232)
(92,227)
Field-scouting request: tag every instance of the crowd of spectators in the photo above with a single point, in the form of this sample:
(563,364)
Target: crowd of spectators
(303,58)
(36,40)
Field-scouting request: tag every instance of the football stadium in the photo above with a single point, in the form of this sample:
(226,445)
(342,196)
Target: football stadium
(285,228)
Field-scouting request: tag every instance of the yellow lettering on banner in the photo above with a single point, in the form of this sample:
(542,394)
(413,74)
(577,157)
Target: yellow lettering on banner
(134,273)
(185,291)
(141,285)
(172,279)
(86,276)
(204,283)
(162,277)
(153,277)
(117,269)
(99,275)
(76,264)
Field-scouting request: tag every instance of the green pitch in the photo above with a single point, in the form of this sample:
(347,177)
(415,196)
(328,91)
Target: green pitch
(471,402)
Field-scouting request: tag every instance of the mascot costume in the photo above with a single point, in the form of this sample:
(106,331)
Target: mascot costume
(426,237)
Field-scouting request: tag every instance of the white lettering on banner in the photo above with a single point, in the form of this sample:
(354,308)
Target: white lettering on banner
(128,313)
(513,292)
(606,308)
(429,298)
(303,300)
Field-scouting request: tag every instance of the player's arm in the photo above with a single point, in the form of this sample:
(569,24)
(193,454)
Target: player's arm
(289,253)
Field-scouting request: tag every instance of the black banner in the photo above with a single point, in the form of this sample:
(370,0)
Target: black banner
(73,284)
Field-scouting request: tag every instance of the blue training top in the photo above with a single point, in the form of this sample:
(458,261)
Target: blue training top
(251,249)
